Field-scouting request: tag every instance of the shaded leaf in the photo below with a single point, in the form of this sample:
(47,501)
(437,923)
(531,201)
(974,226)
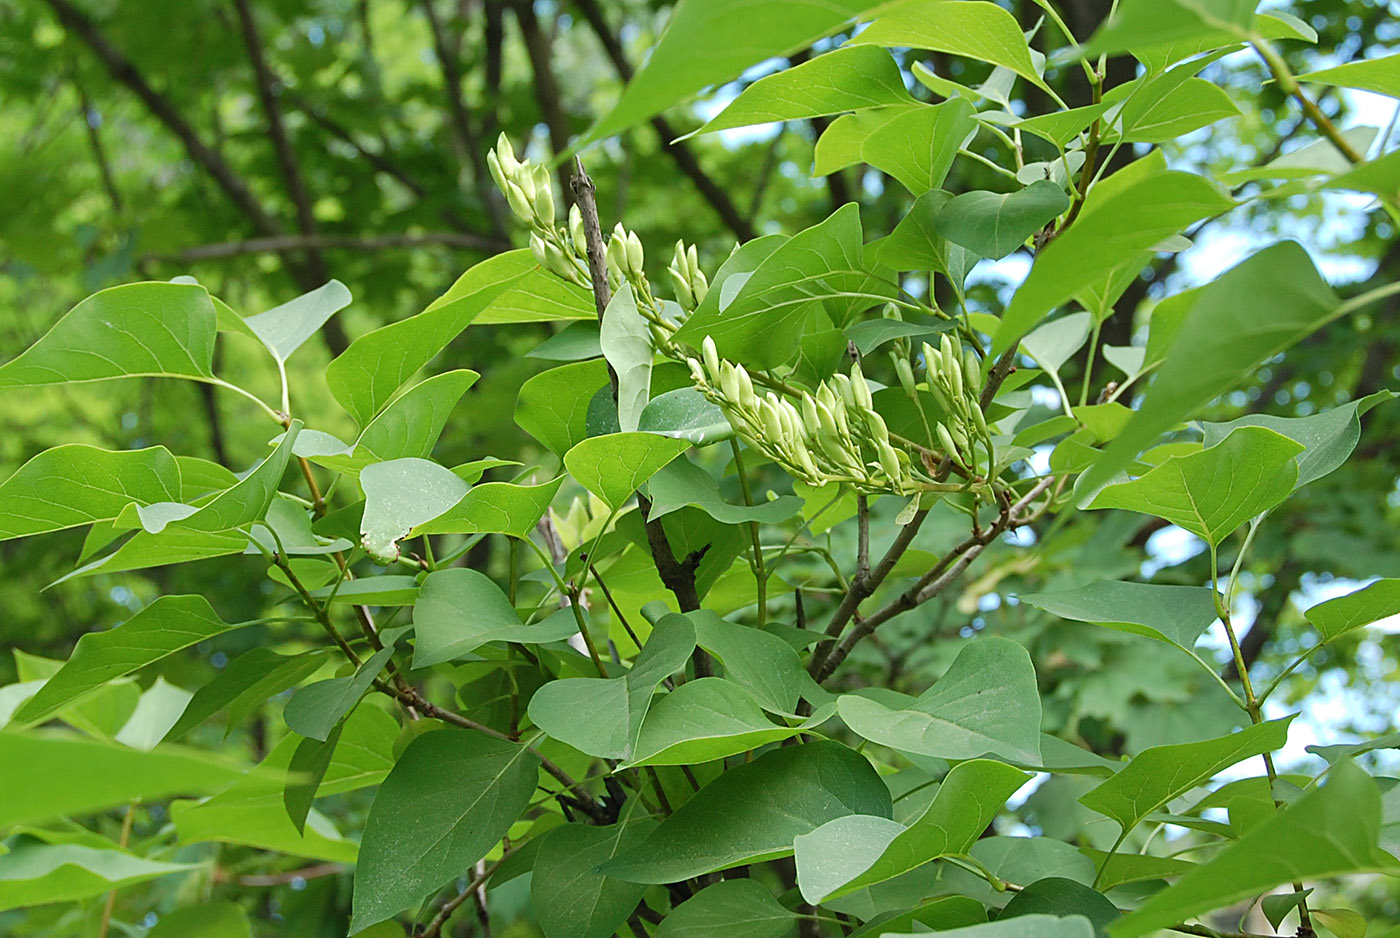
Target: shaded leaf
(460,609)
(553,405)
(1212,492)
(733,906)
(1330,831)
(244,685)
(686,414)
(1177,615)
(1336,617)
(570,897)
(166,626)
(495,508)
(754,811)
(846,79)
(1156,776)
(284,328)
(986,704)
(400,495)
(993,224)
(626,341)
(450,797)
(135,330)
(73,484)
(614,466)
(682,483)
(32,874)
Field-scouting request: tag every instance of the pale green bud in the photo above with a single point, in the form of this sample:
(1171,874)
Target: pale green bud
(825,396)
(681,285)
(544,196)
(538,248)
(699,285)
(859,388)
(876,423)
(891,311)
(842,423)
(711,355)
(804,458)
(635,257)
(889,462)
(843,388)
(972,369)
(729,383)
(772,423)
(505,155)
(954,377)
(980,419)
(576,232)
(747,397)
(905,373)
(518,201)
(826,420)
(493,163)
(810,417)
(696,371)
(946,440)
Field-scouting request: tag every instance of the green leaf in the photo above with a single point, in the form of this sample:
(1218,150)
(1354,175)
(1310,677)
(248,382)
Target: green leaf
(388,589)
(971,28)
(156,711)
(1328,437)
(915,244)
(50,775)
(870,334)
(553,405)
(1212,492)
(940,915)
(1055,342)
(450,797)
(758,661)
(32,874)
(1380,75)
(73,484)
(1336,617)
(683,483)
(1147,23)
(367,374)
(409,427)
(1177,615)
(135,330)
(1344,923)
(1198,366)
(1119,868)
(1330,831)
(853,852)
(731,907)
(305,772)
(570,897)
(284,328)
(685,414)
(400,495)
(710,42)
(244,685)
(575,342)
(207,919)
(1111,231)
(704,719)
(848,79)
(603,716)
(626,340)
(614,466)
(754,811)
(1169,107)
(916,145)
(1156,776)
(166,626)
(1024,926)
(986,704)
(253,811)
(460,609)
(315,709)
(761,321)
(495,508)
(1055,895)
(993,224)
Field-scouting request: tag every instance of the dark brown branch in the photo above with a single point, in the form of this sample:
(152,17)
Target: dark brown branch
(283,243)
(678,576)
(685,159)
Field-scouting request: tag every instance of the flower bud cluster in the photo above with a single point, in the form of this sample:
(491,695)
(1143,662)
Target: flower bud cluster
(687,277)
(625,260)
(954,382)
(529,191)
(833,435)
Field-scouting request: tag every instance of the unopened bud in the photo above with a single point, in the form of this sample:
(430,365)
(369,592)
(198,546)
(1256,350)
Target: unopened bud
(905,373)
(889,462)
(772,423)
(519,201)
(747,397)
(711,355)
(635,258)
(696,371)
(544,196)
(972,370)
(859,388)
(876,423)
(576,232)
(946,440)
(729,382)
(538,248)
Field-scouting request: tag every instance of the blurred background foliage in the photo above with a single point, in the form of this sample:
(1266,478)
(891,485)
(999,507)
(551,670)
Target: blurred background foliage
(264,146)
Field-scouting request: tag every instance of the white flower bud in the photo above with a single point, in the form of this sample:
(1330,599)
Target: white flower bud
(877,427)
(972,369)
(859,388)
(729,383)
(538,248)
(889,462)
(518,201)
(576,232)
(635,258)
(747,397)
(696,371)
(711,355)
(544,195)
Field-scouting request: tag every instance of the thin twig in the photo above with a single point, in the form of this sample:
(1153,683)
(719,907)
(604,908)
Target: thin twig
(434,927)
